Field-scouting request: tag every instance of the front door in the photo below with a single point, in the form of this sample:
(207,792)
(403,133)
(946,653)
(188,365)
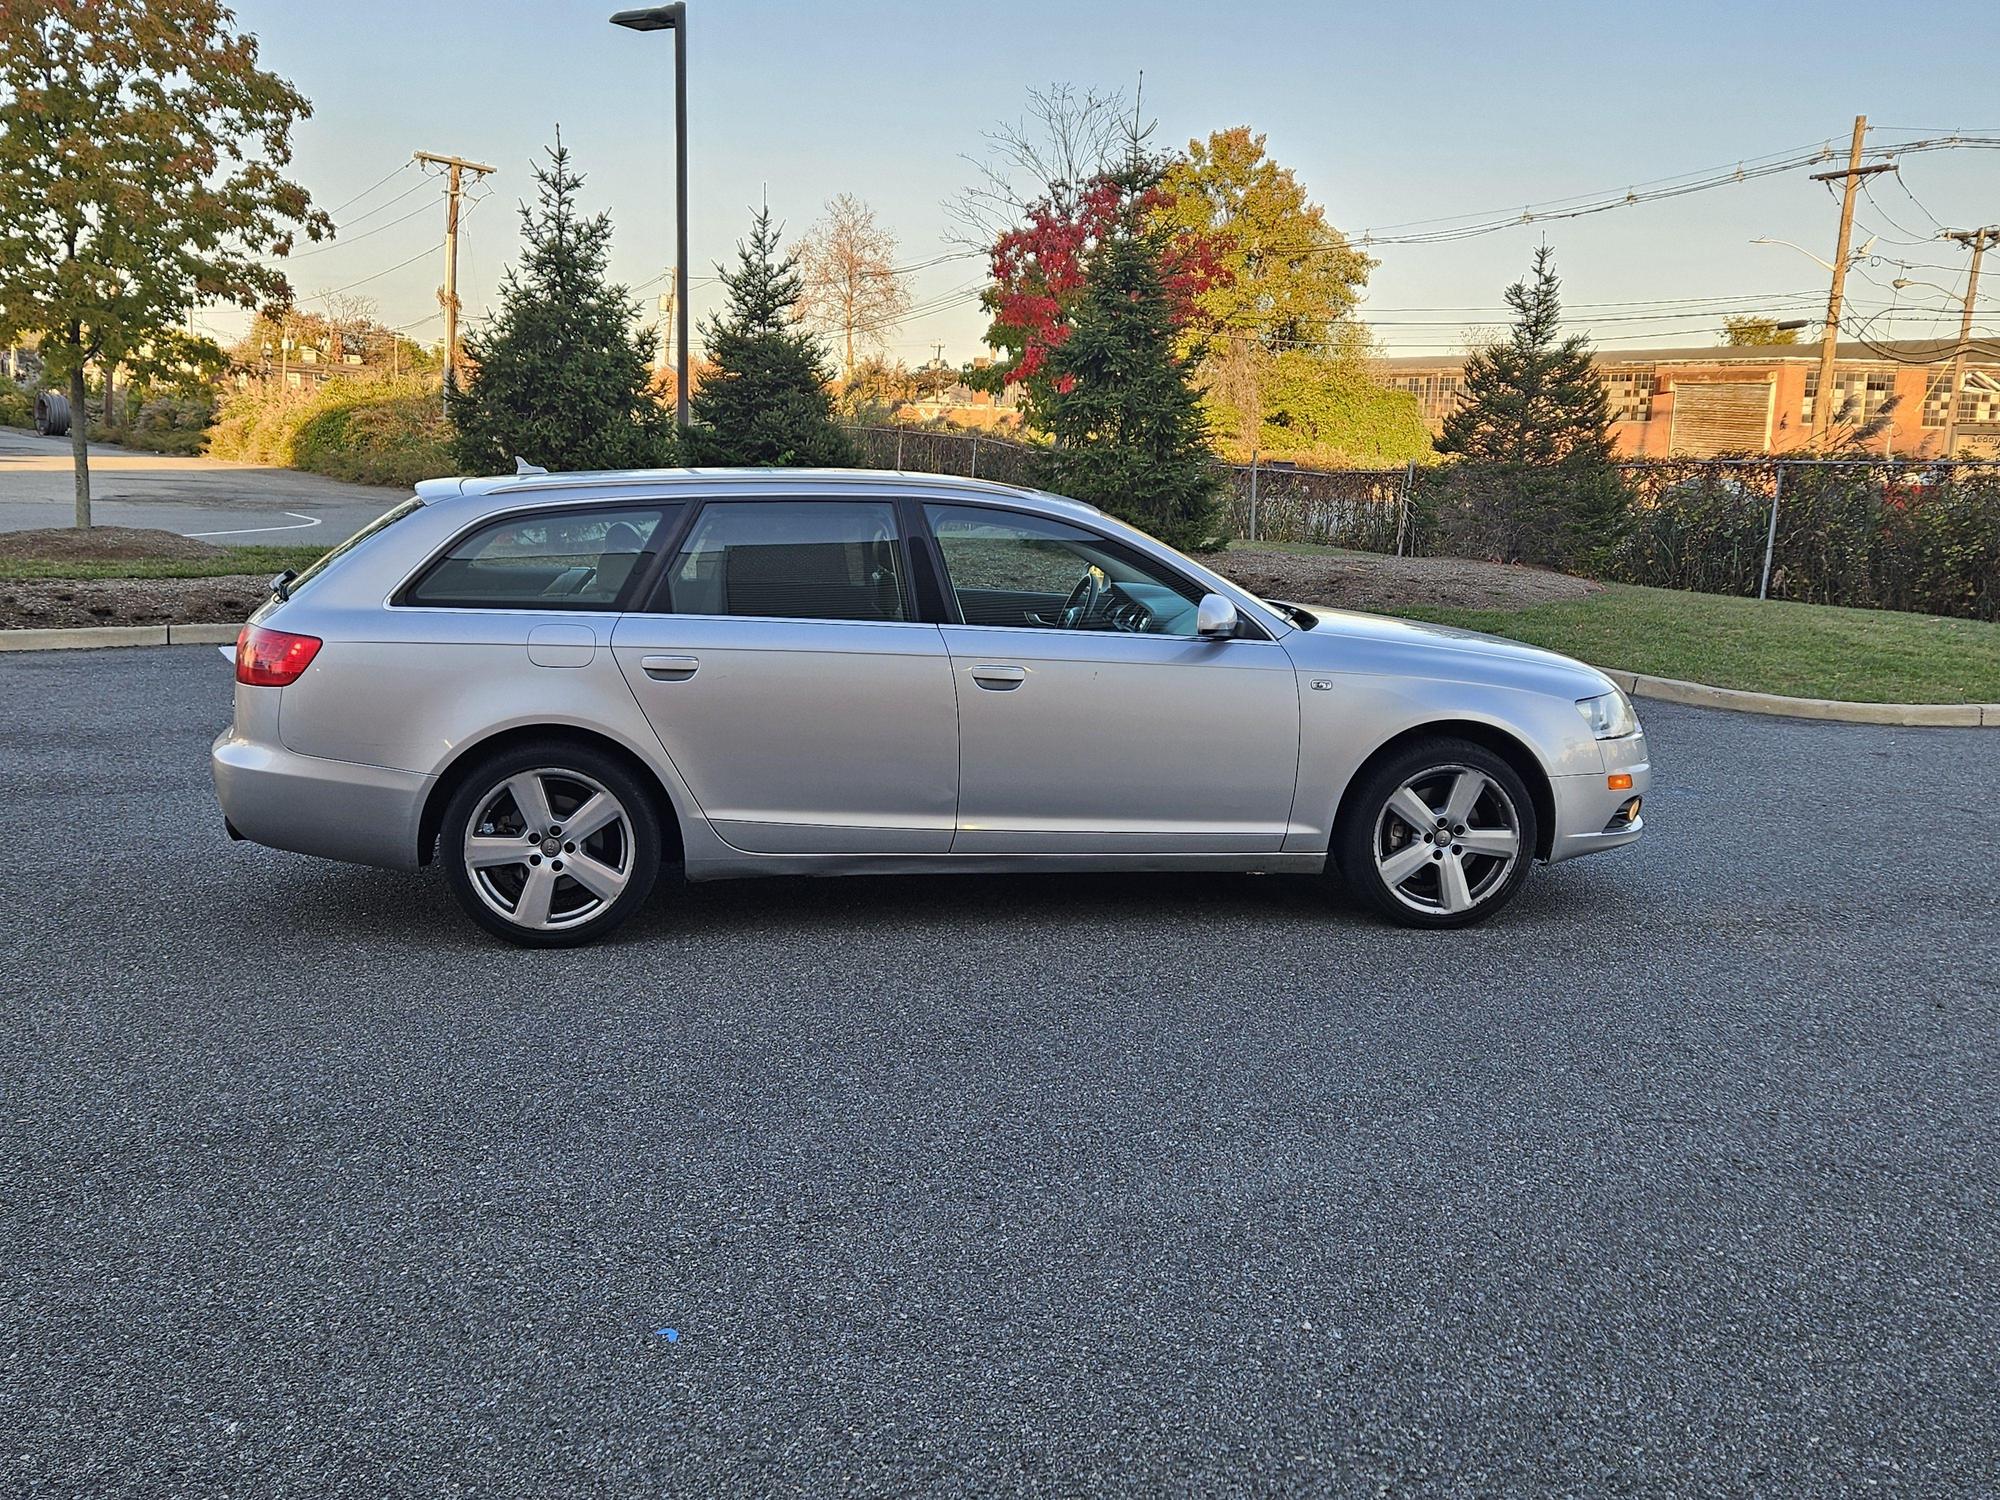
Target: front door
(801,701)
(1092,719)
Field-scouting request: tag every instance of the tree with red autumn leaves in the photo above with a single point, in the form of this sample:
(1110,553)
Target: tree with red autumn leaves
(1039,270)
(1121,403)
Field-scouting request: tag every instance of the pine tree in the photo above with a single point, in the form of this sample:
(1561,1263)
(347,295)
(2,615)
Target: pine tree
(1130,433)
(1533,434)
(766,398)
(560,374)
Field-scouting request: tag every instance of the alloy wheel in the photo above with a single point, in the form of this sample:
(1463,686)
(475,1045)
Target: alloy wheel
(548,849)
(1447,839)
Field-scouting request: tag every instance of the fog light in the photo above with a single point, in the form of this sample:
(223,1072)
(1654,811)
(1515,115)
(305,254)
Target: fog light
(1620,781)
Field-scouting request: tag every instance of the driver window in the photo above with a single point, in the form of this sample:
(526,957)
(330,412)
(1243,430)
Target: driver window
(577,559)
(1009,569)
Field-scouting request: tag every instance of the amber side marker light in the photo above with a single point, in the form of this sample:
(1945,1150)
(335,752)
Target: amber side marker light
(1619,782)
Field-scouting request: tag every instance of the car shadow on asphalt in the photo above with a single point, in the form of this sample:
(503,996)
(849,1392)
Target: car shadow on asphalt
(379,903)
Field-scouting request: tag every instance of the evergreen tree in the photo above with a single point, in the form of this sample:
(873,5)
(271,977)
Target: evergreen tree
(560,375)
(1130,433)
(1533,434)
(766,398)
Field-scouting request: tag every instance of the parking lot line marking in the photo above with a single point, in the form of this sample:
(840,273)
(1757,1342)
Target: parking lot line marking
(304,521)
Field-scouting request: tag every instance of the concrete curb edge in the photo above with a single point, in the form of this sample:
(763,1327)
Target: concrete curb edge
(1666,689)
(1833,710)
(85,637)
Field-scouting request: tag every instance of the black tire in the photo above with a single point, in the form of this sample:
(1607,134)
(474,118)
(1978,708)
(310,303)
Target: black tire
(565,774)
(1431,767)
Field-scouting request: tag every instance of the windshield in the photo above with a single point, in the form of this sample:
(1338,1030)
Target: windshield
(382,522)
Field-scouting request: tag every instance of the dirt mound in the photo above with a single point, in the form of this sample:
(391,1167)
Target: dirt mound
(1388,584)
(100,544)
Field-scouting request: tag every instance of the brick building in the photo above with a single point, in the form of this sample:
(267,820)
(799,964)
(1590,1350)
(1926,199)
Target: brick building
(1698,402)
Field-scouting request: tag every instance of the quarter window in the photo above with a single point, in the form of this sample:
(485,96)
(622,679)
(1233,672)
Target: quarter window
(1018,570)
(576,559)
(799,560)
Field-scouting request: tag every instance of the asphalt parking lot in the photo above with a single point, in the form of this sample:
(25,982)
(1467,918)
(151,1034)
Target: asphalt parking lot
(1679,1179)
(230,504)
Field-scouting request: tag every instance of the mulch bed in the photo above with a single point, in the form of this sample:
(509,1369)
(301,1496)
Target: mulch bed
(62,603)
(101,544)
(1389,584)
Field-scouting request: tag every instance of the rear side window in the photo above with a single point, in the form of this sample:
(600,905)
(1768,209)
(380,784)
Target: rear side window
(801,560)
(578,559)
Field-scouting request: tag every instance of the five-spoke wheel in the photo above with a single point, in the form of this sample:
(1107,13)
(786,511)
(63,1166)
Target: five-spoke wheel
(1439,835)
(550,845)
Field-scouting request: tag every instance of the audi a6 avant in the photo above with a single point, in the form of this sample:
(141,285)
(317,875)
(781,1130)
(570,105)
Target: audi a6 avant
(553,685)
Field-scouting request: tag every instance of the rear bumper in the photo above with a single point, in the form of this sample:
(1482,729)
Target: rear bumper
(338,810)
(1587,810)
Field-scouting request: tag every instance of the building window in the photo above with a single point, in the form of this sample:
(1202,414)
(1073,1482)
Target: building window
(1937,396)
(1437,396)
(1858,394)
(1630,395)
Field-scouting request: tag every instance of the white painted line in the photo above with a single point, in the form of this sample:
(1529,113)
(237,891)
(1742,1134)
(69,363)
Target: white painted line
(304,521)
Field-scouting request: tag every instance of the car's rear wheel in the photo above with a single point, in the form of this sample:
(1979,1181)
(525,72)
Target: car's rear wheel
(550,845)
(1440,834)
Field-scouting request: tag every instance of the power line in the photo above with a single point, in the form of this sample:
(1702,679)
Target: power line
(1869,193)
(385,177)
(1936,222)
(421,208)
(1582,205)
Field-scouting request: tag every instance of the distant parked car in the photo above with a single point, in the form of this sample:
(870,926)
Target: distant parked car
(555,685)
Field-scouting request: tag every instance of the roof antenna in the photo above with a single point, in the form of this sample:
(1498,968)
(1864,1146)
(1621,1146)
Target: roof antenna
(522,466)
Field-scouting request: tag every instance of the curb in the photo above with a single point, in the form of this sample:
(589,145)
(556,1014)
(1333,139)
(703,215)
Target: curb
(1834,710)
(1666,689)
(85,637)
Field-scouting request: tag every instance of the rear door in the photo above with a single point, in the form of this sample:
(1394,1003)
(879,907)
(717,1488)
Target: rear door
(514,616)
(1092,719)
(782,665)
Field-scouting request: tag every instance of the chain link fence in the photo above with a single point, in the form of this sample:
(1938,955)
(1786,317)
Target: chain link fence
(925,450)
(1920,535)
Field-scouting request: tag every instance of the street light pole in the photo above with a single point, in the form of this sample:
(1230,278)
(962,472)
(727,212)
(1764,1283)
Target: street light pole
(674,18)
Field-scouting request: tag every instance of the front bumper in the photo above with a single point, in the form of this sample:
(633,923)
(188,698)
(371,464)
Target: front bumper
(333,808)
(1587,810)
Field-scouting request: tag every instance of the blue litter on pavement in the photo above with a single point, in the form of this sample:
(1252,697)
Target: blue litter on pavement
(671,1335)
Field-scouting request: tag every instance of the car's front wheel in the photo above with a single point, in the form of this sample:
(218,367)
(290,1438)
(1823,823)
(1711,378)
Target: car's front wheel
(550,845)
(1441,834)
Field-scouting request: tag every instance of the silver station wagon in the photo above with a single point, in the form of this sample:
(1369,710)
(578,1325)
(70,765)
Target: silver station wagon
(555,685)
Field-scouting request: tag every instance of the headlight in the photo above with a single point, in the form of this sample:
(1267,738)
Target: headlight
(1610,716)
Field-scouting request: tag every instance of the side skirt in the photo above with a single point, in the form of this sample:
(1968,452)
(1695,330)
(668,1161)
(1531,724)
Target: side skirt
(751,865)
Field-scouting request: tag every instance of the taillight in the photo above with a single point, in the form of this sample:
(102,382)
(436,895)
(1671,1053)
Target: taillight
(272,658)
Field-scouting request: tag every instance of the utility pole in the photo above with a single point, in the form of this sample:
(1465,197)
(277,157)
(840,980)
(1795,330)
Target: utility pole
(1823,401)
(455,168)
(1977,240)
(663,361)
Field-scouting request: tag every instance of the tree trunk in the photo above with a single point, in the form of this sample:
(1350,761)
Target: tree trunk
(79,442)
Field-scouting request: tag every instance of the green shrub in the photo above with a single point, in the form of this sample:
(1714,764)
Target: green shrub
(17,407)
(1872,535)
(367,430)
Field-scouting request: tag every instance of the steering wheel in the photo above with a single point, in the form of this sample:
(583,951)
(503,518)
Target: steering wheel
(1083,599)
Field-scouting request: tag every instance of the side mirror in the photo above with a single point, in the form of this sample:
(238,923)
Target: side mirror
(1215,618)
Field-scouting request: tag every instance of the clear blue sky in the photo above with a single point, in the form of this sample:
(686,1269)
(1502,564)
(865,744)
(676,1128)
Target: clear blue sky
(1388,113)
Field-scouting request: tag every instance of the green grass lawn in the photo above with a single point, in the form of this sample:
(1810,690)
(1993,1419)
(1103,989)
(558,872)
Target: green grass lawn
(1802,650)
(258,560)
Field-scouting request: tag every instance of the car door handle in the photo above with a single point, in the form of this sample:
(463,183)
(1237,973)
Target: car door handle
(669,668)
(1000,679)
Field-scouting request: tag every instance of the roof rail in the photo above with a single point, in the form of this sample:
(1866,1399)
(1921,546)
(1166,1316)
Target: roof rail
(527,483)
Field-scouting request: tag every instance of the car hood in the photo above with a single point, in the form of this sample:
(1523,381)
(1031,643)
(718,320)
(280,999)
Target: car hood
(1347,640)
